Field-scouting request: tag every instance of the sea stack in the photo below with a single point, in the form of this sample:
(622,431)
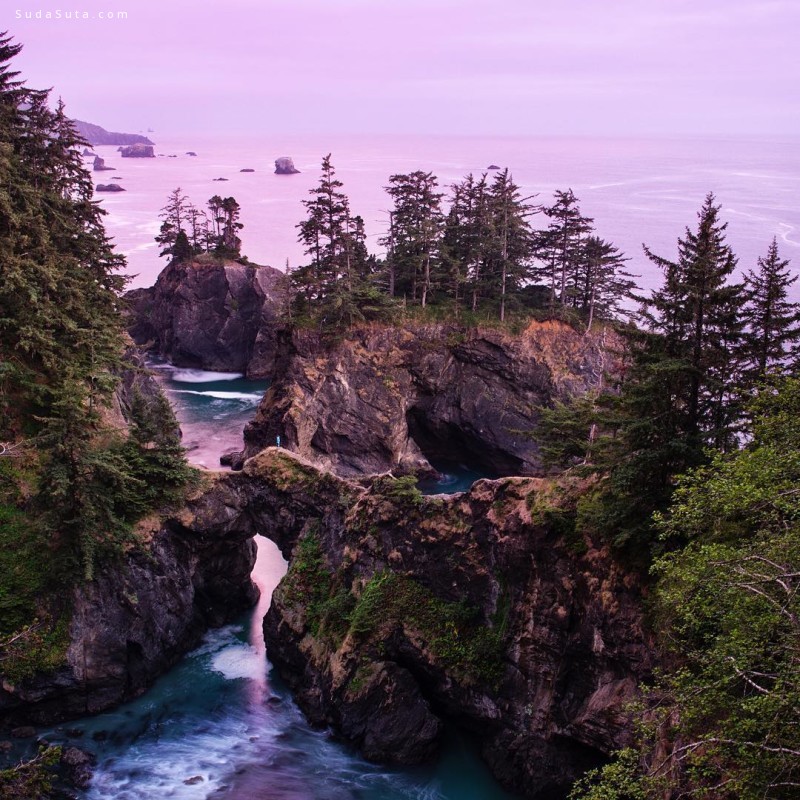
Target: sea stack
(108,187)
(285,166)
(100,165)
(138,151)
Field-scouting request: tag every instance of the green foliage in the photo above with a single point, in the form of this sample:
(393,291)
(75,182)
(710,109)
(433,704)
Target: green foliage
(32,779)
(727,606)
(401,490)
(452,631)
(326,599)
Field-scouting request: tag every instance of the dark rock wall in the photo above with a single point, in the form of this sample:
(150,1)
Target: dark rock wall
(394,398)
(218,316)
(567,617)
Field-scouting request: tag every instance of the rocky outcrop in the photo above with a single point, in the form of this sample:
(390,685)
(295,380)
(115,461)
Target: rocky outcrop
(285,166)
(95,135)
(400,611)
(108,187)
(187,571)
(135,620)
(218,315)
(137,151)
(398,397)
(99,165)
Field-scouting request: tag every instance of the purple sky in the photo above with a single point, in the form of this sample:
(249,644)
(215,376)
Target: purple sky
(438,66)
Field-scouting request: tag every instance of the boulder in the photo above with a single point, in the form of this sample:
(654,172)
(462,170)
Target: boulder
(220,179)
(285,166)
(492,166)
(247,170)
(87,153)
(108,187)
(138,151)
(190,153)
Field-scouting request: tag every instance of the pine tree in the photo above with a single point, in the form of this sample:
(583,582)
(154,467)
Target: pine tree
(603,283)
(773,321)
(512,244)
(414,239)
(694,310)
(561,246)
(335,287)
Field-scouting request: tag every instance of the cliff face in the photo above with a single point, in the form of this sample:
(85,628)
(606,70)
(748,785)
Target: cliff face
(219,316)
(188,572)
(137,618)
(394,398)
(399,610)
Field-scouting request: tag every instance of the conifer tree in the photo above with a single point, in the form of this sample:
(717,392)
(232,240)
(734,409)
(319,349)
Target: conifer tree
(335,287)
(562,246)
(414,239)
(773,321)
(511,246)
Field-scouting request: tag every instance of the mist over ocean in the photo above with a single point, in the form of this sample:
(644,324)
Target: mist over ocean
(637,189)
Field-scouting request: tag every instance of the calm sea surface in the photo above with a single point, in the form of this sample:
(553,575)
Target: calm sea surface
(637,190)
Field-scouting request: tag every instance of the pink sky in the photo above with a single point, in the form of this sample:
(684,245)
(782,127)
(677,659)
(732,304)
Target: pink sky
(439,66)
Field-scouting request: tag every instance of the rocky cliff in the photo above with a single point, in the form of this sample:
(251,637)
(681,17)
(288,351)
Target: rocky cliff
(398,397)
(217,315)
(400,611)
(187,571)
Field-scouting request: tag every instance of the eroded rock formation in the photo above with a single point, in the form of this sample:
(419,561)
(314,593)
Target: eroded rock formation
(399,610)
(137,151)
(397,397)
(190,571)
(218,316)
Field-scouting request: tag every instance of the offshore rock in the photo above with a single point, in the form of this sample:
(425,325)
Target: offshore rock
(217,315)
(285,166)
(396,398)
(99,165)
(108,187)
(138,151)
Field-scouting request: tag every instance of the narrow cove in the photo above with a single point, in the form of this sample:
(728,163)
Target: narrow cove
(220,724)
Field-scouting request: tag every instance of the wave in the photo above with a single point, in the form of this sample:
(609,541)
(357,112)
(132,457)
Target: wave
(202,376)
(249,397)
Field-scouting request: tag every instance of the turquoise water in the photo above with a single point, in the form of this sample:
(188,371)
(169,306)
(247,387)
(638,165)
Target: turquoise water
(220,724)
(212,408)
(453,478)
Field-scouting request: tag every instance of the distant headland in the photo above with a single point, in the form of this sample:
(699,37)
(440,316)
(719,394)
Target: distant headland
(95,135)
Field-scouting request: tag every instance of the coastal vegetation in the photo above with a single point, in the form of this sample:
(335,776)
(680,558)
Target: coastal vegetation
(75,476)
(474,251)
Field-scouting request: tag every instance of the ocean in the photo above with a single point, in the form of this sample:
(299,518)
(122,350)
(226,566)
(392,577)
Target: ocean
(637,190)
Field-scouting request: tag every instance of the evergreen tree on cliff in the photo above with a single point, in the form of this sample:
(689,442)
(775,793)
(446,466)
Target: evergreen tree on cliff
(773,321)
(678,394)
(560,248)
(414,240)
(70,485)
(335,287)
(512,241)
